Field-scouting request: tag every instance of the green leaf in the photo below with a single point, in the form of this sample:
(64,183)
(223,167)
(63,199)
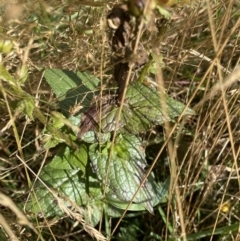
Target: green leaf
(50,141)
(6,76)
(126,171)
(67,159)
(55,134)
(90,81)
(160,197)
(79,158)
(93,137)
(67,183)
(142,109)
(145,105)
(56,121)
(91,119)
(27,106)
(72,88)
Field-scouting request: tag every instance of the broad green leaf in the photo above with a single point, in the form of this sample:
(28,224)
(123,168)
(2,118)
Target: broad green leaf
(142,109)
(93,212)
(145,105)
(79,158)
(112,211)
(91,119)
(126,171)
(71,88)
(69,184)
(93,137)
(90,81)
(160,197)
(59,82)
(67,159)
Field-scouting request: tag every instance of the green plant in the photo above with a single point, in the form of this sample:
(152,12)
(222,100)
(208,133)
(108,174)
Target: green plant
(90,171)
(79,173)
(67,146)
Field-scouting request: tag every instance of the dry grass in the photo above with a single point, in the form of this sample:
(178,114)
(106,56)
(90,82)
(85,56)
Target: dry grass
(201,50)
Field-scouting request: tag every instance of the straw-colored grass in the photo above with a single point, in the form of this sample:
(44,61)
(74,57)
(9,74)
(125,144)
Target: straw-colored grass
(200,51)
